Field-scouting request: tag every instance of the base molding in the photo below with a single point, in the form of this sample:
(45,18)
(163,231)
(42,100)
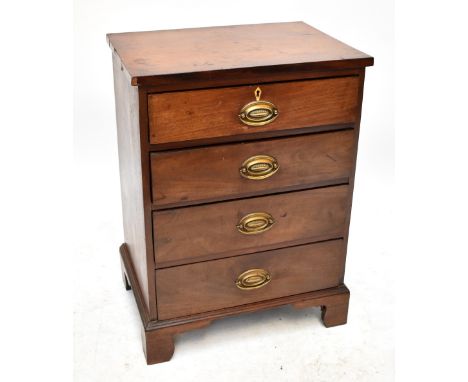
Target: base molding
(158,336)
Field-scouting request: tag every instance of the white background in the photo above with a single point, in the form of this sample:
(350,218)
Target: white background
(45,208)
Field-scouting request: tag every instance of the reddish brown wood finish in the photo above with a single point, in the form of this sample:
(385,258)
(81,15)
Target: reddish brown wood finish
(207,174)
(244,138)
(334,315)
(131,179)
(158,345)
(191,234)
(211,285)
(239,77)
(201,114)
(334,312)
(201,53)
(158,336)
(191,86)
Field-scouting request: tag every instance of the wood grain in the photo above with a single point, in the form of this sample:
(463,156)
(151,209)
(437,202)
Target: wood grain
(242,76)
(206,286)
(187,177)
(200,53)
(331,296)
(131,177)
(244,138)
(158,335)
(191,234)
(130,276)
(357,129)
(182,243)
(200,114)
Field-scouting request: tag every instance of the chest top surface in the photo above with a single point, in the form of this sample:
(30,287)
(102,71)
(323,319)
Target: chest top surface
(147,55)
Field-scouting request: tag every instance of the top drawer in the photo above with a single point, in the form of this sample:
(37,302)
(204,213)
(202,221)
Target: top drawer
(214,113)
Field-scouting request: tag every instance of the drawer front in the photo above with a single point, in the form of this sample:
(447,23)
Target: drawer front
(211,285)
(240,170)
(218,230)
(214,113)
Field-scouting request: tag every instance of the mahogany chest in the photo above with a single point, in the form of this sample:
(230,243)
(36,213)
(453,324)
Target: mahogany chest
(237,152)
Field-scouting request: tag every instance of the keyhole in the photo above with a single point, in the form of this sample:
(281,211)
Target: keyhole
(258,93)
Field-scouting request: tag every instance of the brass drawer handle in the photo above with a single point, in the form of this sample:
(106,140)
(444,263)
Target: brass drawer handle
(256,222)
(259,167)
(253,279)
(258,113)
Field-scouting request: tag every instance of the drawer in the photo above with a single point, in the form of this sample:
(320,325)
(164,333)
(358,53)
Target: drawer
(191,234)
(211,285)
(240,170)
(214,113)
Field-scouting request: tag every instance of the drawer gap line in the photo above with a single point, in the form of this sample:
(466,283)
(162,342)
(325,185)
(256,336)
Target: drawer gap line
(251,253)
(202,203)
(150,92)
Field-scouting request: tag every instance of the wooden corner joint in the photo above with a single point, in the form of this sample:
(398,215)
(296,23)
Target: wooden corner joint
(158,336)
(334,307)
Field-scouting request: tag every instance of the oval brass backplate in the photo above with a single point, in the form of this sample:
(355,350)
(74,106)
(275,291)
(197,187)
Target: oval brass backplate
(259,167)
(255,223)
(253,279)
(258,113)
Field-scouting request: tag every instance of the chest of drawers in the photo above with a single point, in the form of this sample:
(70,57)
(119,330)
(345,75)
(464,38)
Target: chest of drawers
(237,152)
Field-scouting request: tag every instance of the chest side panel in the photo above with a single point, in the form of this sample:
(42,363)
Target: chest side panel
(131,181)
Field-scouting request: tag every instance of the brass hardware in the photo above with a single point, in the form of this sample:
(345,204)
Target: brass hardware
(258,113)
(259,167)
(256,222)
(253,279)
(258,94)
